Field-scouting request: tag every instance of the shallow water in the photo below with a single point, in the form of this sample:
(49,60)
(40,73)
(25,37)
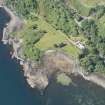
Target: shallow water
(14,89)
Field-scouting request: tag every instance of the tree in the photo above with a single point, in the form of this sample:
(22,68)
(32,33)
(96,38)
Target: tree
(22,7)
(100,67)
(89,27)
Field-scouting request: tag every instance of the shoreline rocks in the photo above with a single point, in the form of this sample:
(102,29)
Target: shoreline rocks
(96,78)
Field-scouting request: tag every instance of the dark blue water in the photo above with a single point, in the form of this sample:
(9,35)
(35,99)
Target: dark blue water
(14,89)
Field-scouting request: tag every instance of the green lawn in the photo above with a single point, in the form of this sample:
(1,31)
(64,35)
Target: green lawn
(50,39)
(72,50)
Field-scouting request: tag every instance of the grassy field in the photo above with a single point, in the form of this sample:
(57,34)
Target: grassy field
(54,37)
(77,4)
(93,2)
(83,6)
(72,50)
(51,37)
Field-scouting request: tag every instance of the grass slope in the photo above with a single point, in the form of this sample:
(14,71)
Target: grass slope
(93,2)
(54,36)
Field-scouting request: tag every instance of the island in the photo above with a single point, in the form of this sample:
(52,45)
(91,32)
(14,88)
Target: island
(57,38)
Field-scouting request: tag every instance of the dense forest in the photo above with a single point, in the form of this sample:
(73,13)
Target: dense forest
(93,57)
(54,11)
(22,7)
(60,16)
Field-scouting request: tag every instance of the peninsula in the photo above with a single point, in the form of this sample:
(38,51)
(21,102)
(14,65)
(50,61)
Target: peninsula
(51,37)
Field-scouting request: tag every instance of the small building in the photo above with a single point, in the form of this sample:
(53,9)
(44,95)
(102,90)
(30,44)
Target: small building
(79,45)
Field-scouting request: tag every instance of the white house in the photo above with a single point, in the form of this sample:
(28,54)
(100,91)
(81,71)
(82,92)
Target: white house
(79,45)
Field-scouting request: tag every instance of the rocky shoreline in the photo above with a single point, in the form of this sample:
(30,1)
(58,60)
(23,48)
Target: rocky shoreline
(31,73)
(38,75)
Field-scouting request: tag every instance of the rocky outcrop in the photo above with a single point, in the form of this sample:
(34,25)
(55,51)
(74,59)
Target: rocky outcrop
(57,61)
(96,78)
(32,71)
(1,2)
